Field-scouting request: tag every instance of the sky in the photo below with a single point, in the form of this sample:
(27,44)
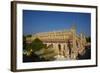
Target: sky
(45,21)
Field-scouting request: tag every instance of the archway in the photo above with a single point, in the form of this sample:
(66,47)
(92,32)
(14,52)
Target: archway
(59,48)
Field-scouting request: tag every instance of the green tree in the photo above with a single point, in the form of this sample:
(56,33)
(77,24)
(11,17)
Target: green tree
(88,39)
(24,42)
(37,44)
(29,35)
(40,49)
(48,52)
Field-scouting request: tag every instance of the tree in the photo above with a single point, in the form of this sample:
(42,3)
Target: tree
(48,52)
(37,44)
(24,42)
(29,35)
(88,39)
(40,49)
(31,48)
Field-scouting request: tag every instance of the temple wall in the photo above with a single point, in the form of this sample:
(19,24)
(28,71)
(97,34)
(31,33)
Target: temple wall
(61,40)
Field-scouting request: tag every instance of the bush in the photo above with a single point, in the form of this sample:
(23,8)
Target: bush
(37,44)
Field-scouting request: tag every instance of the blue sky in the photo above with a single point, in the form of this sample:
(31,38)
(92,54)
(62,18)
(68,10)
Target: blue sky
(44,21)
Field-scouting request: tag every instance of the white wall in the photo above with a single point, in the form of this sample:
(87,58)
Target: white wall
(5,37)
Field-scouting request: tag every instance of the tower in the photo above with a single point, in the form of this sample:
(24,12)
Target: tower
(73,28)
(74,40)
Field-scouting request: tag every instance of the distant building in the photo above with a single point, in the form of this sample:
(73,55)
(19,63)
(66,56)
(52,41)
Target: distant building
(66,43)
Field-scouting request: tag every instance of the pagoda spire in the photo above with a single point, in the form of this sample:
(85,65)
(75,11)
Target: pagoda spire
(73,28)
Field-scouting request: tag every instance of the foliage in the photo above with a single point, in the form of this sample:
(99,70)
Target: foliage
(37,44)
(24,42)
(88,39)
(47,53)
(29,36)
(40,49)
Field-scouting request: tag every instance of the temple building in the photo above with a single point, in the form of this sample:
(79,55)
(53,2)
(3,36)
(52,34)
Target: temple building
(66,43)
